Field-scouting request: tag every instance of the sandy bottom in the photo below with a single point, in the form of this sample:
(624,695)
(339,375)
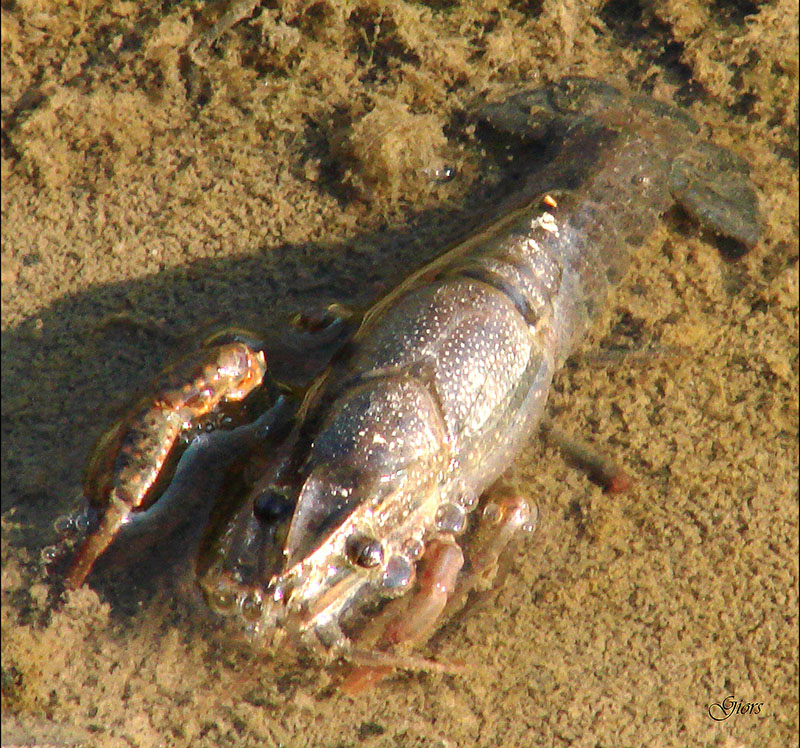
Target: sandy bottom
(147,194)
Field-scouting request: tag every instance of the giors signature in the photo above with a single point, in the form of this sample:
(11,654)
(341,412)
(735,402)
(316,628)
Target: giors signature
(721,711)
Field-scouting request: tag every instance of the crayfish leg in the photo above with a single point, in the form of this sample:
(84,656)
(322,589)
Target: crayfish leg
(436,580)
(601,470)
(504,513)
(445,578)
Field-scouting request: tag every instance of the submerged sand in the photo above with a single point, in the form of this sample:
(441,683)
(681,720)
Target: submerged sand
(290,166)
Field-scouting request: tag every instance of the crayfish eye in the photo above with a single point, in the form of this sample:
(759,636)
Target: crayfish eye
(364,551)
(272,506)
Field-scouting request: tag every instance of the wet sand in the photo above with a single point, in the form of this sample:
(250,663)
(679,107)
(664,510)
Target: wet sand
(147,195)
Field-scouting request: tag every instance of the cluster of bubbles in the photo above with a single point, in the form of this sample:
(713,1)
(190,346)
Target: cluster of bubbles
(71,529)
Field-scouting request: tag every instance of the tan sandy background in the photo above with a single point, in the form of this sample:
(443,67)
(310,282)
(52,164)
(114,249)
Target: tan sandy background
(289,165)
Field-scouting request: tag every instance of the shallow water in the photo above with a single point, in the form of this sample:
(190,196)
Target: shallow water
(186,200)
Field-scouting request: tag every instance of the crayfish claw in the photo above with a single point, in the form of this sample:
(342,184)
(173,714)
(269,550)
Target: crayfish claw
(134,461)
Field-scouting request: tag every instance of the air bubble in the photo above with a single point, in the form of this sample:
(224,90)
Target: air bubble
(469,501)
(530,522)
(413,549)
(51,553)
(222,600)
(250,605)
(364,551)
(399,575)
(440,172)
(74,524)
(83,521)
(492,513)
(64,525)
(450,518)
